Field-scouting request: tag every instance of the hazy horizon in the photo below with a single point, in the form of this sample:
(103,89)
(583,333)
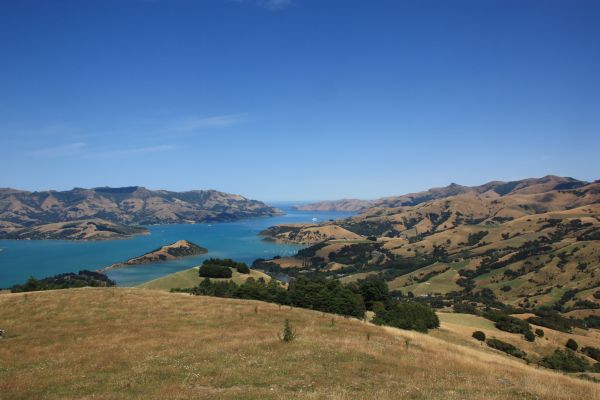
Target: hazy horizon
(298,201)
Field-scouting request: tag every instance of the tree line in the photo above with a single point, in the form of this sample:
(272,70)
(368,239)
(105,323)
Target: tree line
(331,296)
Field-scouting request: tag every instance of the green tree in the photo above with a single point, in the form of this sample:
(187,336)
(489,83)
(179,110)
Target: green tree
(373,289)
(289,334)
(529,336)
(566,361)
(408,315)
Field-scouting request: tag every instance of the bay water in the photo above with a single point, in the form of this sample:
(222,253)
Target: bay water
(238,240)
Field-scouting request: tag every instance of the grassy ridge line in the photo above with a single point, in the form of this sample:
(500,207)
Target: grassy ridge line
(132,343)
(189,278)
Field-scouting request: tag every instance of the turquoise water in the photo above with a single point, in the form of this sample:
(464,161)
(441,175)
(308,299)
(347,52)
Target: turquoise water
(237,240)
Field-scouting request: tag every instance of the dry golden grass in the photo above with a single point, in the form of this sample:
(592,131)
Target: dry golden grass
(190,278)
(133,343)
(460,327)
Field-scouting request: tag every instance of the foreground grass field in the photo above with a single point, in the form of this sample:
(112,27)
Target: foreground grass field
(143,344)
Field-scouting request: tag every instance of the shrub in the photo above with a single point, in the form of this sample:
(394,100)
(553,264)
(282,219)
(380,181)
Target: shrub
(571,344)
(242,268)
(506,348)
(593,321)
(217,289)
(508,324)
(539,332)
(552,320)
(412,316)
(591,352)
(214,271)
(566,361)
(479,336)
(529,336)
(288,333)
(474,238)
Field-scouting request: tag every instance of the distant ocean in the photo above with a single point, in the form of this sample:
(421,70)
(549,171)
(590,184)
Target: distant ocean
(238,240)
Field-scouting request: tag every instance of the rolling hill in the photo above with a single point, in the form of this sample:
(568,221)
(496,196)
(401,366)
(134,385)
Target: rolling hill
(189,278)
(82,343)
(127,205)
(86,229)
(534,243)
(500,188)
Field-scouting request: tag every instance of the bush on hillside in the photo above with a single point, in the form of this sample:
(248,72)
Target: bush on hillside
(241,267)
(214,271)
(572,344)
(258,289)
(289,334)
(539,332)
(413,316)
(553,320)
(591,352)
(474,238)
(217,289)
(506,348)
(593,321)
(507,323)
(566,361)
(479,336)
(529,336)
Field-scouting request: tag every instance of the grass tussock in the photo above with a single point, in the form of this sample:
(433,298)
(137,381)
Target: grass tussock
(131,343)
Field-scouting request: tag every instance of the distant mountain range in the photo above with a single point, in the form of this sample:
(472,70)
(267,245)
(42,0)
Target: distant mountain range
(524,186)
(22,210)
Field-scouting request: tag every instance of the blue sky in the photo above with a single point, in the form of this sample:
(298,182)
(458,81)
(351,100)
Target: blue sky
(297,99)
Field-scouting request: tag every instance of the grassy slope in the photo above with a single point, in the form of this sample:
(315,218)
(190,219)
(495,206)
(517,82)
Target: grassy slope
(459,328)
(131,343)
(189,278)
(441,283)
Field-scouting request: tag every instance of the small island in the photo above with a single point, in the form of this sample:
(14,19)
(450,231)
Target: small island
(173,251)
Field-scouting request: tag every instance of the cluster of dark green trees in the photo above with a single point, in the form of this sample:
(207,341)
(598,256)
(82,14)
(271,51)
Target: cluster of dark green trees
(65,281)
(221,268)
(506,348)
(568,361)
(511,324)
(328,295)
(562,359)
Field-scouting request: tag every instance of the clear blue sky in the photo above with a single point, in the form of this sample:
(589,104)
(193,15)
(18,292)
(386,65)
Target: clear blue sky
(297,99)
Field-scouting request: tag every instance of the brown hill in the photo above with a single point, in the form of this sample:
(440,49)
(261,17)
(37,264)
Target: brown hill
(87,229)
(524,186)
(337,205)
(127,205)
(532,246)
